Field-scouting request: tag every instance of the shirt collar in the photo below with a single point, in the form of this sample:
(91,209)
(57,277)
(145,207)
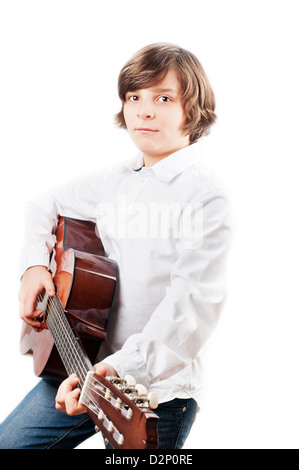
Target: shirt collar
(171,166)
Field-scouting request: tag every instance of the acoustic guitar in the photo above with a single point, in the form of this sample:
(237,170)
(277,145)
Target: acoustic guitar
(74,325)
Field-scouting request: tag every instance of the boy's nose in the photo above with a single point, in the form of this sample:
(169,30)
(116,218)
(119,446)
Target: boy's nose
(145,112)
(146,115)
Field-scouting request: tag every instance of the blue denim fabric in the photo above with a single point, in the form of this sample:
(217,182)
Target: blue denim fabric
(36,424)
(176,418)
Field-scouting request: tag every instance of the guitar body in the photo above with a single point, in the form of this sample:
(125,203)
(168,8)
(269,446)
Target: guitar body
(85,283)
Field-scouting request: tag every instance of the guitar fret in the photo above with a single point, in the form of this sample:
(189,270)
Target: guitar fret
(65,340)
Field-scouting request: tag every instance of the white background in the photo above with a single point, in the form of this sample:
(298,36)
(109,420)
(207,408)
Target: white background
(58,93)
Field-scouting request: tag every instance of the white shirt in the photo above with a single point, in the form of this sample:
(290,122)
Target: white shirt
(167,228)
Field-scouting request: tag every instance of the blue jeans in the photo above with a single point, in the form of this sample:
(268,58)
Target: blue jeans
(36,424)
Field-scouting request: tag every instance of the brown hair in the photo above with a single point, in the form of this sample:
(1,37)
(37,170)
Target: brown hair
(151,64)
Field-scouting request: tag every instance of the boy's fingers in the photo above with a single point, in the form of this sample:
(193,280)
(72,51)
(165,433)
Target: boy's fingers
(28,311)
(27,305)
(102,368)
(65,387)
(67,398)
(72,405)
(49,287)
(31,317)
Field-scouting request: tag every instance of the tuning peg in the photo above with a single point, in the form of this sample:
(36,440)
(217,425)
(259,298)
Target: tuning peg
(110,427)
(141,390)
(153,400)
(119,403)
(130,381)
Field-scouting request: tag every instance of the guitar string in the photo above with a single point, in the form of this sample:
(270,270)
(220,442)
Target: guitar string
(69,336)
(79,361)
(58,314)
(70,362)
(73,364)
(102,393)
(69,339)
(64,324)
(103,416)
(89,401)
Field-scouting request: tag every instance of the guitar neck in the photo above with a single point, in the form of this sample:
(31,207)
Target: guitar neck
(72,354)
(120,411)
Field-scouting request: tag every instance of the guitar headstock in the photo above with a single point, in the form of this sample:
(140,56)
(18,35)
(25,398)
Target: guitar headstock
(121,411)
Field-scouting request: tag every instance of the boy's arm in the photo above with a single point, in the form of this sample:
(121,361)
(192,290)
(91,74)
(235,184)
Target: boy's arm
(76,199)
(189,312)
(35,279)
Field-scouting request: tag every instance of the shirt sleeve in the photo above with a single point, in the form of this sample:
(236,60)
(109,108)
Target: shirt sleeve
(190,309)
(76,199)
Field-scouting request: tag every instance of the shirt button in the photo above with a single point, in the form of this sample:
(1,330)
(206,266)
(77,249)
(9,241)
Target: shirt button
(141,179)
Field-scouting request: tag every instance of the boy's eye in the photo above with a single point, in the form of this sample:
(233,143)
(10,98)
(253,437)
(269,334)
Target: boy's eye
(133,98)
(164,99)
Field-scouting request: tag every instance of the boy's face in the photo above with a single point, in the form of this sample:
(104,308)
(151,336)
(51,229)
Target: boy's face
(155,119)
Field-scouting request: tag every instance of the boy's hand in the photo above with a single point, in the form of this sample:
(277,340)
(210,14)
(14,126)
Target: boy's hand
(67,398)
(34,281)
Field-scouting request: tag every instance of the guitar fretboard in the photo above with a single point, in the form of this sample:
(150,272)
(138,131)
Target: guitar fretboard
(70,351)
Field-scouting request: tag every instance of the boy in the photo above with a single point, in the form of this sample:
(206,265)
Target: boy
(164,220)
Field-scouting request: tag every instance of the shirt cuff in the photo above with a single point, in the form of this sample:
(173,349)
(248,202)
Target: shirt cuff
(34,256)
(128,362)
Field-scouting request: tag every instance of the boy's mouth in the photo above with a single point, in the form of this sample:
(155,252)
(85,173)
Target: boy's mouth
(146,130)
